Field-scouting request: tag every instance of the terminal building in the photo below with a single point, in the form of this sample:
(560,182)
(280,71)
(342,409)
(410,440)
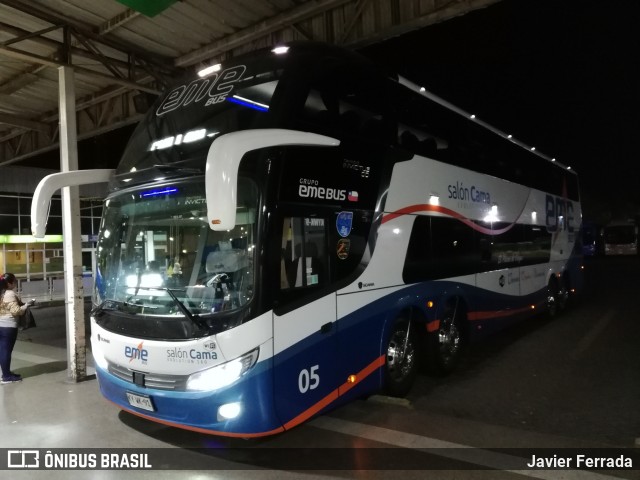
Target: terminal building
(38,263)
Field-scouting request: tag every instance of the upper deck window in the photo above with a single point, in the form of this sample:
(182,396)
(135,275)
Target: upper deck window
(183,123)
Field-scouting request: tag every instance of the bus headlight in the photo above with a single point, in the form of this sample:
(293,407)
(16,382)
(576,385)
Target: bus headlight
(223,375)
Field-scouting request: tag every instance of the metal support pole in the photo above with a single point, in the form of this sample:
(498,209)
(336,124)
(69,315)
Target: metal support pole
(72,246)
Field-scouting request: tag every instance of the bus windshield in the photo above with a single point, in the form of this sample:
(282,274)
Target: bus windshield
(157,255)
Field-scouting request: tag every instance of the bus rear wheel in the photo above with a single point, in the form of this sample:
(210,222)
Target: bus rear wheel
(401,363)
(445,344)
(557,297)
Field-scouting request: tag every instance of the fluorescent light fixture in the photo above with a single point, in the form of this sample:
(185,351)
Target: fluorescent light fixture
(30,239)
(280,50)
(209,70)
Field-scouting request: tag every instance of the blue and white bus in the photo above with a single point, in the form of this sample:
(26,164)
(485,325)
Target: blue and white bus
(299,228)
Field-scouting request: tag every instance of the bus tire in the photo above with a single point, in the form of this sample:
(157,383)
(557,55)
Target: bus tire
(556,297)
(401,362)
(445,344)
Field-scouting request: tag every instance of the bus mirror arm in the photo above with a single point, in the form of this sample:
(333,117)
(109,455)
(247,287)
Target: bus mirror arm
(223,161)
(51,183)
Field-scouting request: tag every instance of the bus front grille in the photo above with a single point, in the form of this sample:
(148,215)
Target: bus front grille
(157,381)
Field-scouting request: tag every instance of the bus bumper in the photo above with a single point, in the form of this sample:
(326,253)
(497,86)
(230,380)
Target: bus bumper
(244,409)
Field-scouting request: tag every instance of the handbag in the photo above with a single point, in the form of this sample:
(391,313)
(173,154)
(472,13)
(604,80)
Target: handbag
(26,320)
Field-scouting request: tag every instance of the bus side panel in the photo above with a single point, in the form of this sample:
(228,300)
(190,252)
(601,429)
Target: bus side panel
(364,321)
(305,358)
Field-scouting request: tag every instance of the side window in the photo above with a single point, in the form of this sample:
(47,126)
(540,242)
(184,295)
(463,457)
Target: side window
(303,261)
(348,101)
(441,248)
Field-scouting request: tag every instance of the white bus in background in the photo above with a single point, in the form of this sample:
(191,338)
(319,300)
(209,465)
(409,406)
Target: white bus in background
(620,238)
(332,225)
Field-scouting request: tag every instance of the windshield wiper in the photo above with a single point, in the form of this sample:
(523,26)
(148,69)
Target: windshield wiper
(183,308)
(129,305)
(105,306)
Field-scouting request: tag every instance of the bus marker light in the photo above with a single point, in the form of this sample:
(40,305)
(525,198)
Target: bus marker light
(430,304)
(216,222)
(229,411)
(352,379)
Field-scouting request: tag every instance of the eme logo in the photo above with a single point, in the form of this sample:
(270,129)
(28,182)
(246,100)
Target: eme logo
(559,214)
(136,353)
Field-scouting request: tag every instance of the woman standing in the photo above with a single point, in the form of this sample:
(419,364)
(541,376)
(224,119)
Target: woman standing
(11,308)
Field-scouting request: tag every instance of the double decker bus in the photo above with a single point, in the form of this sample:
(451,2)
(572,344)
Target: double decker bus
(298,228)
(620,238)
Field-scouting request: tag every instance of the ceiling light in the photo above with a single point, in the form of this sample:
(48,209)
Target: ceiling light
(209,70)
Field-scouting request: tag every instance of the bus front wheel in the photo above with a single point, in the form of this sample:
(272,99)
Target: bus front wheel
(401,363)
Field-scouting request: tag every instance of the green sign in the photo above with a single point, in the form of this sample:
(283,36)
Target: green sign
(30,239)
(150,8)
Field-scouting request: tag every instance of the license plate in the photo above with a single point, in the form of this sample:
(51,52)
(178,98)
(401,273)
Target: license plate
(140,401)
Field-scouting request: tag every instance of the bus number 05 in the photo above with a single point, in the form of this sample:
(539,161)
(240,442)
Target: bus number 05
(308,379)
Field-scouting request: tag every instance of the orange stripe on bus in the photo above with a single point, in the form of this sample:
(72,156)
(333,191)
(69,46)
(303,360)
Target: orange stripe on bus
(496,314)
(314,409)
(301,418)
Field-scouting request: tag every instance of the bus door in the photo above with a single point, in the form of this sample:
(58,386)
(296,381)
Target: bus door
(304,331)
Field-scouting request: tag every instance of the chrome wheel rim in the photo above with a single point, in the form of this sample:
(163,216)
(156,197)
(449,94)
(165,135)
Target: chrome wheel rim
(400,359)
(448,340)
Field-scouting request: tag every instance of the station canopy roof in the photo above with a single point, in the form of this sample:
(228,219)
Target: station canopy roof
(124,52)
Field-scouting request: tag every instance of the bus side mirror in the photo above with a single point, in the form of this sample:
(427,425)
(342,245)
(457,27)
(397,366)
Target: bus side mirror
(51,183)
(223,161)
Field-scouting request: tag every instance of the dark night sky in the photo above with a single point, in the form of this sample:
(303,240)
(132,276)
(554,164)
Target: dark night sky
(562,75)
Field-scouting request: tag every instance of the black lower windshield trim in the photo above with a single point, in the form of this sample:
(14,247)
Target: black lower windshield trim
(169,328)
